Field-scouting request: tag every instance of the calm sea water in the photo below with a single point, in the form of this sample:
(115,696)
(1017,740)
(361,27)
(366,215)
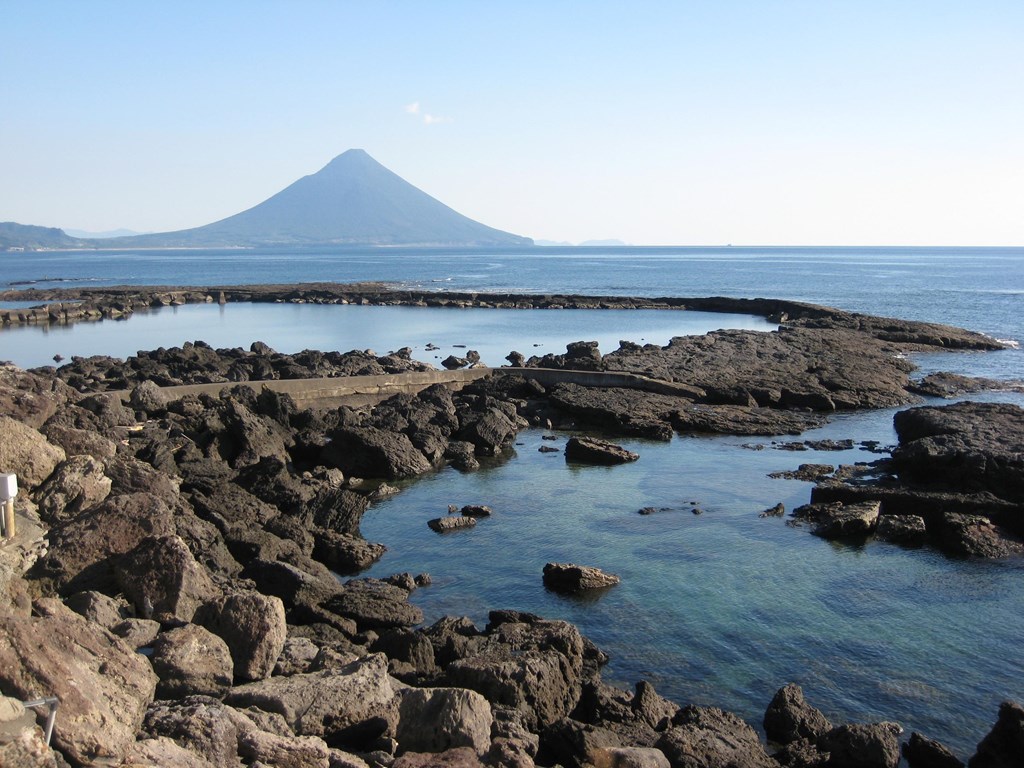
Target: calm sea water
(720,608)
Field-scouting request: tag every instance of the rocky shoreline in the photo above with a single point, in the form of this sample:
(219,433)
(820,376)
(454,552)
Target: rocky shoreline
(207,532)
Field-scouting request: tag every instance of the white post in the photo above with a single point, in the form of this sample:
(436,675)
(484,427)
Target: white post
(8,490)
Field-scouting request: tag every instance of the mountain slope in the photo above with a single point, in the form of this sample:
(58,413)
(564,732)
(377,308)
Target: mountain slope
(352,200)
(27,236)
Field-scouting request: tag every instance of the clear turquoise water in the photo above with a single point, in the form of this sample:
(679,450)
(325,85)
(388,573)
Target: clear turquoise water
(721,608)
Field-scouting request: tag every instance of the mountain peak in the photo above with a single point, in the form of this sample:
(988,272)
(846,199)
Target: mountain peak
(351,200)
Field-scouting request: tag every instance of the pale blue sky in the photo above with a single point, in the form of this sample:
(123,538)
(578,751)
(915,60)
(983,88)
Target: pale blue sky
(705,122)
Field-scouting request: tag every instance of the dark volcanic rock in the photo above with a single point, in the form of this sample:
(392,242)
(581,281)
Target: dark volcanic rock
(967,447)
(1003,746)
(451,523)
(375,604)
(707,737)
(528,664)
(909,530)
(977,536)
(873,745)
(569,577)
(590,450)
(371,452)
(920,752)
(790,718)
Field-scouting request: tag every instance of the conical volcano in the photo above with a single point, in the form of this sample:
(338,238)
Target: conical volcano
(352,200)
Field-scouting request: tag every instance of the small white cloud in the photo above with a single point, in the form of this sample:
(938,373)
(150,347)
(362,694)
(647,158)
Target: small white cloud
(435,119)
(413,109)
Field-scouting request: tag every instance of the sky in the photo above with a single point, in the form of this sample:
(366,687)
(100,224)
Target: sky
(656,123)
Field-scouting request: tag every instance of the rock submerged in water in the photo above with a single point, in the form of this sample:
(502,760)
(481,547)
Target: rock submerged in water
(451,523)
(571,578)
(590,450)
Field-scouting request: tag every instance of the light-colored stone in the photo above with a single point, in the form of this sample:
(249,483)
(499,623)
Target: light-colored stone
(191,660)
(629,757)
(327,702)
(253,626)
(27,453)
(77,484)
(104,687)
(163,752)
(284,752)
(437,719)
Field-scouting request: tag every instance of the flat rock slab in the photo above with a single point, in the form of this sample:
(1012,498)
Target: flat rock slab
(570,578)
(848,520)
(451,523)
(590,450)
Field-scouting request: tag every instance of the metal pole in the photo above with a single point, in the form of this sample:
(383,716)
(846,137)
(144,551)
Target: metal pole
(52,702)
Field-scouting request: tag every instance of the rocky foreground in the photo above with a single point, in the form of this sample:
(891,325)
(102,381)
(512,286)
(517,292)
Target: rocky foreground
(174,580)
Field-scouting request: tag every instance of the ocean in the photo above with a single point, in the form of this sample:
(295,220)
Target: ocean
(720,608)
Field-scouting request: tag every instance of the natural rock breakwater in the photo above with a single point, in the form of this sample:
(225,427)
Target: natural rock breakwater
(203,528)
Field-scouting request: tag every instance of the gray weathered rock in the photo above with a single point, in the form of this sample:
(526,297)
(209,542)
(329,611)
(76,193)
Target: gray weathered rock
(707,737)
(374,604)
(451,523)
(26,453)
(160,575)
(83,552)
(977,536)
(569,577)
(532,666)
(190,660)
(848,520)
(908,530)
(629,757)
(77,484)
(371,452)
(437,719)
(253,627)
(104,687)
(99,608)
(351,703)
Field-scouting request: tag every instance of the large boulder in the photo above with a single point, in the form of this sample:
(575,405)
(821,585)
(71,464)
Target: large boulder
(350,705)
(527,664)
(1003,746)
(374,604)
(163,580)
(77,484)
(922,752)
(346,554)
(590,450)
(191,660)
(967,447)
(708,737)
(489,431)
(26,453)
(790,718)
(253,627)
(84,552)
(372,452)
(571,578)
(103,686)
(976,536)
(437,719)
(857,745)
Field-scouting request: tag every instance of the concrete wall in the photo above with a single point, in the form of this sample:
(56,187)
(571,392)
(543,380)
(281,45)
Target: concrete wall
(365,390)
